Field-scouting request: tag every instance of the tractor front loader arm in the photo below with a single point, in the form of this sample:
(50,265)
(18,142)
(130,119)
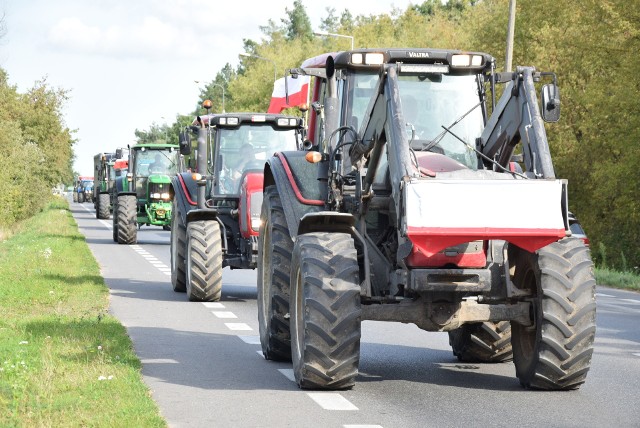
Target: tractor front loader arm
(517,118)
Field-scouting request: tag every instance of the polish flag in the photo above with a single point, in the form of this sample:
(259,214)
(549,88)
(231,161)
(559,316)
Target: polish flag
(298,93)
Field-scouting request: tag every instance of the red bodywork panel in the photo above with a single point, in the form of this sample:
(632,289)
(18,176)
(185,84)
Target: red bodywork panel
(252,183)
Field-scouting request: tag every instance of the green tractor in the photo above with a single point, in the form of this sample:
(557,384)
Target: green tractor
(108,167)
(145,194)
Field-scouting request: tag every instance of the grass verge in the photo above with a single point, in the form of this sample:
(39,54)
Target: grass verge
(64,361)
(612,278)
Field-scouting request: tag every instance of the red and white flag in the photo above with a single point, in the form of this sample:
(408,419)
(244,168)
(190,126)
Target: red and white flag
(298,93)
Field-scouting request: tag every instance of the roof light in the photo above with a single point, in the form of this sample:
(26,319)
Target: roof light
(222,121)
(283,121)
(374,59)
(356,58)
(258,118)
(424,68)
(232,121)
(466,60)
(293,122)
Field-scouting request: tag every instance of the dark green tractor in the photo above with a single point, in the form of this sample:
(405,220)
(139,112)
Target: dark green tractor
(105,179)
(144,196)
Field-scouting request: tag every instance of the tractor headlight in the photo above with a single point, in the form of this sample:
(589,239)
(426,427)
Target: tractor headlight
(165,196)
(155,196)
(255,223)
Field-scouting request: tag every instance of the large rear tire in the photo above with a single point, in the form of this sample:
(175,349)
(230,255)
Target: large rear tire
(485,342)
(325,311)
(274,267)
(114,219)
(75,196)
(127,224)
(102,210)
(204,261)
(555,352)
(178,248)
(81,198)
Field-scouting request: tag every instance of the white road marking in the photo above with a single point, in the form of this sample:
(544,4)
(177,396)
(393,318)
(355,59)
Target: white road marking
(331,401)
(261,354)
(158,361)
(106,224)
(213,305)
(635,302)
(224,314)
(637,354)
(251,340)
(604,295)
(238,326)
(362,426)
(288,373)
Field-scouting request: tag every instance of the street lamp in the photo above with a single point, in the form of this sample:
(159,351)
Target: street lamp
(166,135)
(265,59)
(324,33)
(219,85)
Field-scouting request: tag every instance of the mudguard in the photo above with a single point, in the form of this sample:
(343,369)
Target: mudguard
(297,183)
(185,189)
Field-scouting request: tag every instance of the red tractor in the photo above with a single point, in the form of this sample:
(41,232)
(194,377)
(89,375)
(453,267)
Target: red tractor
(216,208)
(413,204)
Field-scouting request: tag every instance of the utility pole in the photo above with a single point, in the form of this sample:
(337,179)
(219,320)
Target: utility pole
(510,32)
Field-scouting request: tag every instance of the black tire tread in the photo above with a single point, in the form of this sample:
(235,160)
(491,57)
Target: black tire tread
(204,270)
(103,206)
(127,216)
(486,342)
(179,240)
(330,326)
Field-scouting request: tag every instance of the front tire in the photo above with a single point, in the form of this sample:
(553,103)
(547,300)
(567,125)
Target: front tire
(555,352)
(178,246)
(127,215)
(103,206)
(204,261)
(274,265)
(485,342)
(325,311)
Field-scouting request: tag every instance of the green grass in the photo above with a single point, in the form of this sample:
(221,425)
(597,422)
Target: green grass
(64,361)
(612,278)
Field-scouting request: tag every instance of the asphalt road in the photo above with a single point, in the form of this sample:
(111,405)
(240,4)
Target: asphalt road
(204,366)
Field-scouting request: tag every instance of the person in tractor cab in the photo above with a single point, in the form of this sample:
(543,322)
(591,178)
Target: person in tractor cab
(157,166)
(233,170)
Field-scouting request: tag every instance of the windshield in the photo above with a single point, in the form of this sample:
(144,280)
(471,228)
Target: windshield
(248,147)
(361,89)
(433,101)
(155,161)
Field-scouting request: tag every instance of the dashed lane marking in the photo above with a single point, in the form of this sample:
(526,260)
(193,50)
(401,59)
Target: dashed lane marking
(361,426)
(158,361)
(251,340)
(106,224)
(238,326)
(224,314)
(331,401)
(604,295)
(261,354)
(288,373)
(213,305)
(635,302)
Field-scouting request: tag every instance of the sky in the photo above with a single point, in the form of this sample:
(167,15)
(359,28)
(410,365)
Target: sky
(128,64)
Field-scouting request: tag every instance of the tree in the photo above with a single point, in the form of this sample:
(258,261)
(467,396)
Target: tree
(297,24)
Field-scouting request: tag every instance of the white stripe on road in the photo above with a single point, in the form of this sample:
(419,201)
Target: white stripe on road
(224,314)
(288,373)
(106,224)
(213,305)
(158,361)
(637,354)
(361,426)
(604,295)
(237,326)
(251,340)
(261,354)
(635,302)
(331,401)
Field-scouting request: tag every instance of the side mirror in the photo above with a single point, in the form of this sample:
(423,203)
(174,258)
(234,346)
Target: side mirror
(184,141)
(550,103)
(118,153)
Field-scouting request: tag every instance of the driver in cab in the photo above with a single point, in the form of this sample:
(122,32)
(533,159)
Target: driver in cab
(157,166)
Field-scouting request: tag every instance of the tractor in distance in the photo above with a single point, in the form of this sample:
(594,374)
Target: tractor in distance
(143,196)
(216,208)
(414,204)
(79,187)
(107,167)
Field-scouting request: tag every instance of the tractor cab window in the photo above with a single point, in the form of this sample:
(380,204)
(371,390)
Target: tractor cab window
(432,101)
(361,88)
(156,162)
(247,148)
